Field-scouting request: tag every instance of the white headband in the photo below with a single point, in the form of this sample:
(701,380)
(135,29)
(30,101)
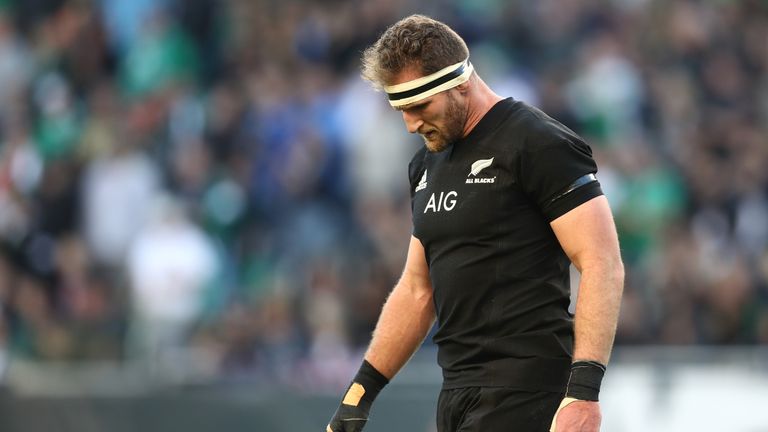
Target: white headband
(424,87)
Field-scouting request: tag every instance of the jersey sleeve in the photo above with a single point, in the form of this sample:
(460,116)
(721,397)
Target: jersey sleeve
(556,169)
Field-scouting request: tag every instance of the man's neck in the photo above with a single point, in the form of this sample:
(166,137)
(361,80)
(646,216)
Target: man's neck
(481,101)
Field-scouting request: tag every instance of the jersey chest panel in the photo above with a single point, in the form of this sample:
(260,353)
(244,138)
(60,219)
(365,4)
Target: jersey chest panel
(471,199)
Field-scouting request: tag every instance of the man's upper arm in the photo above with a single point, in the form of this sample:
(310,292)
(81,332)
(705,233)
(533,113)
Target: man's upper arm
(416,271)
(587,234)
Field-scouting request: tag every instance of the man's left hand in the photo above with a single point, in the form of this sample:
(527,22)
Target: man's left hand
(578,416)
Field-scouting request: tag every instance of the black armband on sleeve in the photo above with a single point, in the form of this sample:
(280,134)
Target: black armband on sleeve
(578,192)
(584,381)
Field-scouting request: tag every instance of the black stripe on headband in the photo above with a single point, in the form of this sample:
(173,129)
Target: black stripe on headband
(428,86)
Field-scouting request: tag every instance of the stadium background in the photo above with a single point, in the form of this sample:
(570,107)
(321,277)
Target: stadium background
(202,206)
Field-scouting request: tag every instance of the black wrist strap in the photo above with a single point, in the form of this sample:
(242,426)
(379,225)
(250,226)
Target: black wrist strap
(365,386)
(585,379)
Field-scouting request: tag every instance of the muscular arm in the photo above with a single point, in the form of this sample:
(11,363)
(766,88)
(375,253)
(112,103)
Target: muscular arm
(588,236)
(406,318)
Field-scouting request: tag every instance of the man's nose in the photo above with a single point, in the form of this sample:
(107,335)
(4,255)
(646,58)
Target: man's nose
(412,122)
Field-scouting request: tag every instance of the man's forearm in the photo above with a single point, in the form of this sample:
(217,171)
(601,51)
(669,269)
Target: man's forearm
(597,311)
(405,320)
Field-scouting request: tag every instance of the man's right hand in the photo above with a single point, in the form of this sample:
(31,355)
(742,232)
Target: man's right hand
(348,418)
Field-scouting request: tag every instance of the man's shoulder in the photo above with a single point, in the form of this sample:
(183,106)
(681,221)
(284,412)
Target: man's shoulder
(516,120)
(533,123)
(415,166)
(516,124)
(526,129)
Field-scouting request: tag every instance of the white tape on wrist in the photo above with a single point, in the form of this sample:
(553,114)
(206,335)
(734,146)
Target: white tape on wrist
(564,403)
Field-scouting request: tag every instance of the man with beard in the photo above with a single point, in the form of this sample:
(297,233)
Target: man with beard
(504,199)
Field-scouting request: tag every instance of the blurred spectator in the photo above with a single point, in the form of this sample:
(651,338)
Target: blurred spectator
(170,264)
(16,66)
(118,190)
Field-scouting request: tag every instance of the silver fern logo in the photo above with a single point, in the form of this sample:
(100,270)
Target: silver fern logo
(480,165)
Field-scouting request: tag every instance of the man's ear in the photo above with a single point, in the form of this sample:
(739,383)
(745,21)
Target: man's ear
(464,87)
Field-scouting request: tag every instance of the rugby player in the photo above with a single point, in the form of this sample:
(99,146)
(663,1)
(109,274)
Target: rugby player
(504,199)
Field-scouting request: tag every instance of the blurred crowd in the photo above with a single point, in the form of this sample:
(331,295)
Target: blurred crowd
(213,177)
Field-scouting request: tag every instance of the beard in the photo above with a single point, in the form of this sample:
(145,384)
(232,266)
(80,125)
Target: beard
(437,140)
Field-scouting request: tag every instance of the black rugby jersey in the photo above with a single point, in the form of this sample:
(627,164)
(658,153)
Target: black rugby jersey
(481,209)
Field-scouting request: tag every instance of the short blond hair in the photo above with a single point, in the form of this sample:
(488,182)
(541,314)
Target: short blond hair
(415,41)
